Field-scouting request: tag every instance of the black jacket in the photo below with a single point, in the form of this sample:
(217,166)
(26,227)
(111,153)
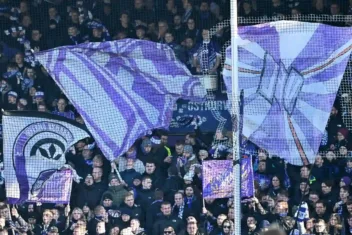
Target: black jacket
(166,221)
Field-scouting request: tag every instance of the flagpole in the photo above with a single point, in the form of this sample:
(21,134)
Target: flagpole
(236,116)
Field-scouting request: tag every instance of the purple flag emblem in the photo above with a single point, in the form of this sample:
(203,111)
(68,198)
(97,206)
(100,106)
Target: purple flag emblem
(121,88)
(34,152)
(290,73)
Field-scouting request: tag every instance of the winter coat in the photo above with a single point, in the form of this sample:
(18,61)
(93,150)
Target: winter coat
(166,221)
(118,194)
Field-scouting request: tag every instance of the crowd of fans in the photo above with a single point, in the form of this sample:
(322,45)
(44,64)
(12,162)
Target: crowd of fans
(156,188)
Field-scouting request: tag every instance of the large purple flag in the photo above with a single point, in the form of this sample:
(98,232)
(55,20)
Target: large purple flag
(35,144)
(122,88)
(290,73)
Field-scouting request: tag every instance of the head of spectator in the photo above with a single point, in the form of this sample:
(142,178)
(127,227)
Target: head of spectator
(305,172)
(146,146)
(74,15)
(166,208)
(189,191)
(53,13)
(192,228)
(24,7)
(345,181)
(129,200)
(163,27)
(204,6)
(227,227)
(304,186)
(188,151)
(12,97)
(191,24)
(36,35)
(251,222)
(115,230)
(39,97)
(79,231)
(179,199)
(335,9)
(19,59)
(326,186)
(335,222)
(87,152)
(275,182)
(77,214)
(47,217)
(164,138)
(135,226)
(262,167)
(313,198)
(141,31)
(344,193)
(281,208)
(179,147)
(169,231)
(72,30)
(320,226)
(107,200)
(206,35)
(126,214)
(97,174)
(98,161)
(99,212)
(89,181)
(146,182)
(100,228)
(150,167)
(320,208)
(114,180)
(319,161)
(26,20)
(53,231)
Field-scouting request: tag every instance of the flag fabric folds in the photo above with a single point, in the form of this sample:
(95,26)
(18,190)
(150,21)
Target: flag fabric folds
(34,153)
(122,89)
(290,73)
(247,177)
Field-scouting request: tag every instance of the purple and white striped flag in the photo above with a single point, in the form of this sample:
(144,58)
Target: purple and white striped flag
(122,89)
(290,73)
(34,153)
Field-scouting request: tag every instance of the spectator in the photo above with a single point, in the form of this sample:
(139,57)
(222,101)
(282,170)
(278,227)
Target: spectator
(116,189)
(166,220)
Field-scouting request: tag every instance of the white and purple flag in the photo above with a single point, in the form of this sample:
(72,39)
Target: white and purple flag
(122,89)
(290,73)
(34,153)
(218,178)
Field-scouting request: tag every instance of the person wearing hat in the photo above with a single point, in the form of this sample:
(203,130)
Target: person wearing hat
(136,210)
(5,89)
(130,174)
(146,151)
(53,231)
(116,190)
(126,216)
(11,101)
(122,161)
(22,104)
(189,159)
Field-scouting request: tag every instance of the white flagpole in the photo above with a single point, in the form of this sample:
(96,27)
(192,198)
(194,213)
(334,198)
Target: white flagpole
(236,113)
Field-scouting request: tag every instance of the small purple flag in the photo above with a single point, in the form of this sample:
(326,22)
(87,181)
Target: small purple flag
(218,180)
(122,89)
(247,178)
(35,145)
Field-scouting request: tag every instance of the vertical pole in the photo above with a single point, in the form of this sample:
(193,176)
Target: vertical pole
(236,116)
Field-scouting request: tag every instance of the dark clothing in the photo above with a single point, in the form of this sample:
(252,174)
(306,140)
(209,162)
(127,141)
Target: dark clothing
(87,195)
(129,175)
(145,197)
(165,221)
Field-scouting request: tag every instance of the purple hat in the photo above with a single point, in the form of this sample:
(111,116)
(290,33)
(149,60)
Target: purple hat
(346,180)
(132,155)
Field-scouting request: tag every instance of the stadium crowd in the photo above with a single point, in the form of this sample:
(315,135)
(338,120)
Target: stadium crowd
(158,189)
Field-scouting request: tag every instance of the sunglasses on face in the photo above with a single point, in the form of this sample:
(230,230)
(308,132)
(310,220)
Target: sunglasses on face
(226,226)
(168,232)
